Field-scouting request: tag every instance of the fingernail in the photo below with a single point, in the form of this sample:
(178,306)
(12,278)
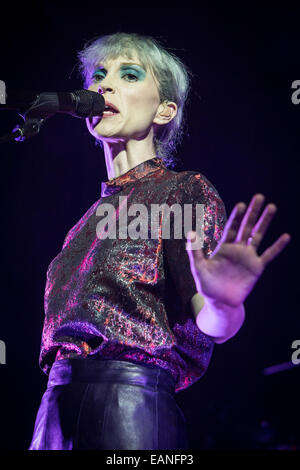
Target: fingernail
(191,237)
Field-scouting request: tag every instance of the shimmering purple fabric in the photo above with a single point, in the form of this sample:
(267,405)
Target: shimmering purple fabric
(127,299)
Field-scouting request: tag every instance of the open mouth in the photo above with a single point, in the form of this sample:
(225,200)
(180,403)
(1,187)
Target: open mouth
(110,110)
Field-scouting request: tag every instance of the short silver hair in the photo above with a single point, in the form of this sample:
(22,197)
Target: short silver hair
(174,79)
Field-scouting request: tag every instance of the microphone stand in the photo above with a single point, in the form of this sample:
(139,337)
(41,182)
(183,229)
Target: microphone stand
(33,119)
(30,128)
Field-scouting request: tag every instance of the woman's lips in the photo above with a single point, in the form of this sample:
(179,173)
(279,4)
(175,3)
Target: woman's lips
(97,119)
(111,107)
(108,114)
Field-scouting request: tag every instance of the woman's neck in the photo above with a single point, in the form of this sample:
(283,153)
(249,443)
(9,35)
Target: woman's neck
(120,157)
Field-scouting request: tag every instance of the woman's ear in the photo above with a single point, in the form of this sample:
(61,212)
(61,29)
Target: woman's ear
(165,112)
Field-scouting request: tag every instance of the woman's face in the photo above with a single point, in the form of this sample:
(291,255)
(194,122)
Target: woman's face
(133,91)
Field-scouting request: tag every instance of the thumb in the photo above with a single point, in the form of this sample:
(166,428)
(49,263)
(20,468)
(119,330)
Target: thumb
(196,256)
(194,247)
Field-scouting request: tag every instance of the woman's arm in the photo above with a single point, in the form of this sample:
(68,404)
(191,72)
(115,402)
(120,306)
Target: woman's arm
(219,321)
(227,277)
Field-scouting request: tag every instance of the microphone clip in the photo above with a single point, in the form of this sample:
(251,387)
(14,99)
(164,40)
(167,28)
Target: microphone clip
(22,132)
(30,128)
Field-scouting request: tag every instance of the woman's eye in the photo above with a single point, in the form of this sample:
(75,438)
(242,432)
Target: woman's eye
(132,76)
(97,76)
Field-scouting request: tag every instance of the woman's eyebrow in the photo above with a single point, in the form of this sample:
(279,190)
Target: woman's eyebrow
(123,63)
(133,63)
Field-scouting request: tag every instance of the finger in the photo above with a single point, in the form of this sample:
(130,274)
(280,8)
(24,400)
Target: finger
(233,223)
(263,223)
(193,256)
(250,218)
(194,247)
(270,253)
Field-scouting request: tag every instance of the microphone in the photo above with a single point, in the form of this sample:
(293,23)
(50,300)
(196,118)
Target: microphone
(35,107)
(80,103)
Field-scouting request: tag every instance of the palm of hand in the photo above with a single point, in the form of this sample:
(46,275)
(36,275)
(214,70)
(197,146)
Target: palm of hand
(230,274)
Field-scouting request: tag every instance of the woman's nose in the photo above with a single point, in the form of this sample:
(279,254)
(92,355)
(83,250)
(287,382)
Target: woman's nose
(104,88)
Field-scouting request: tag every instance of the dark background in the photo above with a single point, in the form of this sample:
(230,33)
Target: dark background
(243,136)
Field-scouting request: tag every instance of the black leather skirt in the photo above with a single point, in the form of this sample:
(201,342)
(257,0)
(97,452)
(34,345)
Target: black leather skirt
(108,404)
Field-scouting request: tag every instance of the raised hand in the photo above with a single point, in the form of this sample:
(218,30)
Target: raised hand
(233,269)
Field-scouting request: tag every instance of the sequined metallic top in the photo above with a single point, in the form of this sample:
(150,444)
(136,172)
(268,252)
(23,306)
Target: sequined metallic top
(128,298)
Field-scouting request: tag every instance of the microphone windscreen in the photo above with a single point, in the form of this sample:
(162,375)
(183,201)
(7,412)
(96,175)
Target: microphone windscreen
(89,103)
